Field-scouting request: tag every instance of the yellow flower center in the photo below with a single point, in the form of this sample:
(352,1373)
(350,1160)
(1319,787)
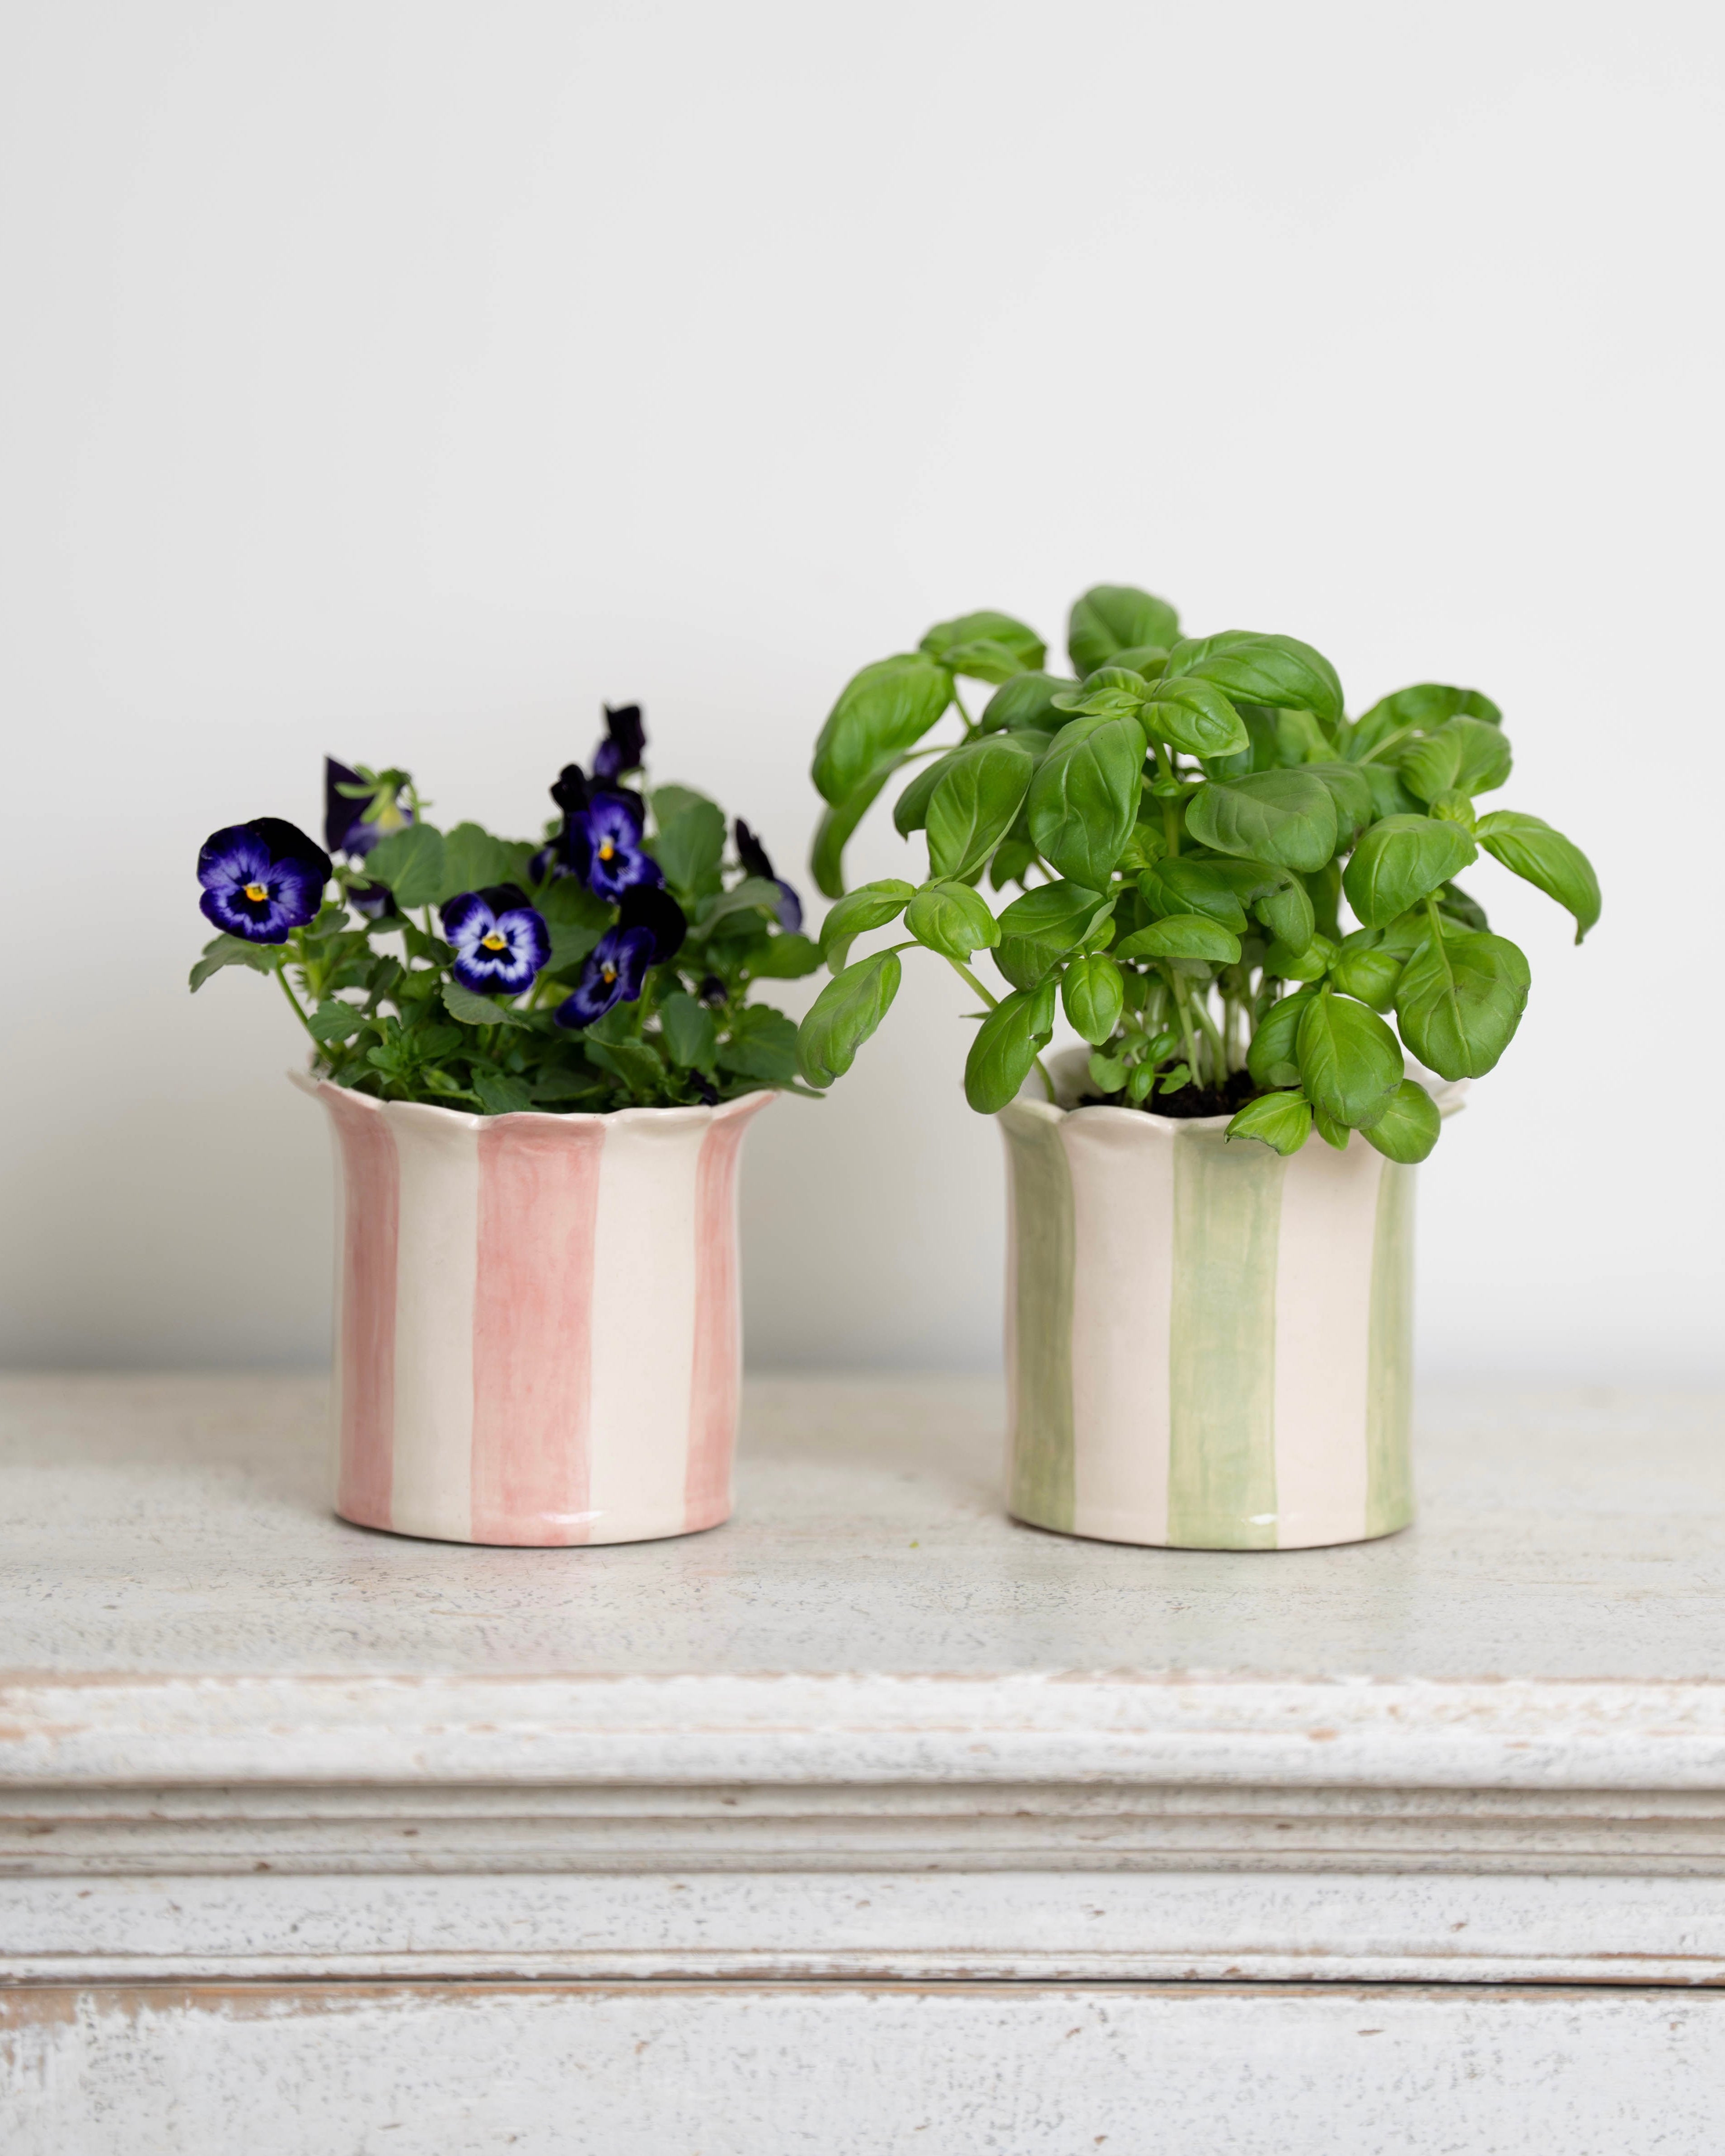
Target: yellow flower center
(494,942)
(256,893)
(610,974)
(606,849)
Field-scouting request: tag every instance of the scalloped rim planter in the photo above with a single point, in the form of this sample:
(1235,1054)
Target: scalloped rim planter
(538,1338)
(1207,1347)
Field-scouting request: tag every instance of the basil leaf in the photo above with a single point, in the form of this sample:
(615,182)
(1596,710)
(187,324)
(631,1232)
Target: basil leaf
(871,906)
(983,660)
(910,812)
(1310,963)
(1460,1000)
(1400,861)
(1467,753)
(1038,930)
(844,1015)
(975,804)
(691,1036)
(1363,970)
(1409,1128)
(1287,817)
(950,918)
(1026,705)
(1544,857)
(411,863)
(881,712)
(1272,1058)
(1282,1121)
(1277,670)
(1110,617)
(948,641)
(826,857)
(1288,914)
(1007,1043)
(1084,798)
(1183,936)
(1093,991)
(1195,716)
(1351,791)
(1178,885)
(1350,1062)
(1421,709)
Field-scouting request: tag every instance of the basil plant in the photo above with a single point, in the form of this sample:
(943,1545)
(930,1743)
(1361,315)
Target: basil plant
(1184,820)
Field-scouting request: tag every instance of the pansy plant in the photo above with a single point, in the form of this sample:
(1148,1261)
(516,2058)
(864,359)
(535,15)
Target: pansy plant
(1228,886)
(608,965)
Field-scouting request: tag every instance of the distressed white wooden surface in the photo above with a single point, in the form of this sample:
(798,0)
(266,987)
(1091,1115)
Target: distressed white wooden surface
(650,2071)
(869,1729)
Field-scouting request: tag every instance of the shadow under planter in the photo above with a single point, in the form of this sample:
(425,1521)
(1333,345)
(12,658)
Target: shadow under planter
(538,1334)
(1209,1347)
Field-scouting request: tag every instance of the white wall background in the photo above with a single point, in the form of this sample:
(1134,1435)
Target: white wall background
(400,378)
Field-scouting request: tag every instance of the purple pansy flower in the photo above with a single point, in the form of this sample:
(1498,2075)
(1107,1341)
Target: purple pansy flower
(648,905)
(560,858)
(753,856)
(262,879)
(604,843)
(612,974)
(501,942)
(624,746)
(345,829)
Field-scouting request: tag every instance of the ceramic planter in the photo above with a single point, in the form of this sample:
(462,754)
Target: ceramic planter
(537,1331)
(1209,1347)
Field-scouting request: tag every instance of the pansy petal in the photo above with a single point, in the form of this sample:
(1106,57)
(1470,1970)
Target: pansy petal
(224,909)
(466,917)
(751,853)
(634,955)
(342,812)
(790,907)
(235,855)
(626,736)
(287,842)
(646,905)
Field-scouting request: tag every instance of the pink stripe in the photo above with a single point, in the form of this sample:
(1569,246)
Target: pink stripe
(532,1312)
(717,1375)
(371,1219)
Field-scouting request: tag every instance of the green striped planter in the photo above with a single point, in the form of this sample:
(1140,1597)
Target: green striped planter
(1209,1347)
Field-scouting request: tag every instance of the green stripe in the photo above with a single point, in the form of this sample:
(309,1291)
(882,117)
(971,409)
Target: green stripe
(1042,1490)
(1222,1343)
(1389,1378)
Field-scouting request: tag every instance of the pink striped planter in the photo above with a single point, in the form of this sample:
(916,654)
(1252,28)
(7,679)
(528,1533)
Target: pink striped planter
(538,1340)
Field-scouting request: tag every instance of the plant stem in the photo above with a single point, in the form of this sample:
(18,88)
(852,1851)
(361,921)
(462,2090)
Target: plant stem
(1200,1008)
(965,974)
(1177,982)
(299,1009)
(969,723)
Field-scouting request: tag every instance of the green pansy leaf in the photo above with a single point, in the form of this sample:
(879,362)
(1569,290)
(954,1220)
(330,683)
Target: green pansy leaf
(1276,670)
(762,1046)
(1400,861)
(785,957)
(975,804)
(949,641)
(570,945)
(411,862)
(1287,816)
(753,895)
(502,1094)
(1007,1043)
(691,1036)
(566,902)
(950,918)
(234,951)
(1281,1121)
(690,846)
(470,1009)
(1407,1129)
(472,859)
(1273,1057)
(1195,716)
(881,712)
(844,1015)
(871,906)
(1039,929)
(334,1021)
(668,802)
(1084,798)
(1460,1000)
(1094,994)
(1350,1062)
(1183,936)
(1544,857)
(1109,618)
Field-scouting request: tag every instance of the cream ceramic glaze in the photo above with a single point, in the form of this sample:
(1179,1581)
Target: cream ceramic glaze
(1209,1347)
(537,1335)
